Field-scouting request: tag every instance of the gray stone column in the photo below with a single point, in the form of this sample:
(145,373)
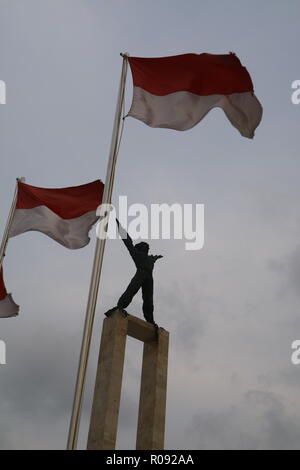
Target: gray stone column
(152,409)
(107,394)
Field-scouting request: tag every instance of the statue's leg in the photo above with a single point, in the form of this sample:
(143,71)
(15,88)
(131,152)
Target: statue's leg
(133,287)
(147,293)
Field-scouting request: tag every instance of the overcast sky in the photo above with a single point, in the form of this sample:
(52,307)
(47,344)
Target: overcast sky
(232,309)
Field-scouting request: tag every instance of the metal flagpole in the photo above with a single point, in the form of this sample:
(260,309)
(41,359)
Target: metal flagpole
(9,222)
(96,272)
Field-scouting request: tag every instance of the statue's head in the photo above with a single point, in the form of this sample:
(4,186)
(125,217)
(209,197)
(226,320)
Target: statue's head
(143,247)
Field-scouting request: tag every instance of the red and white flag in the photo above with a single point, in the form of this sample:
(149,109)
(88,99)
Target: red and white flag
(64,214)
(8,308)
(177,92)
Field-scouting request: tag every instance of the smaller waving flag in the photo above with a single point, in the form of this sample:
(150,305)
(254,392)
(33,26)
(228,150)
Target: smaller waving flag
(8,308)
(177,92)
(66,214)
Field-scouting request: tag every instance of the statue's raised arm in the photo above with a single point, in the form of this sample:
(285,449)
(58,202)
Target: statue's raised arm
(127,240)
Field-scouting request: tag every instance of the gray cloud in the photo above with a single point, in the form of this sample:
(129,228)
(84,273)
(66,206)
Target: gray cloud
(231,318)
(260,420)
(288,268)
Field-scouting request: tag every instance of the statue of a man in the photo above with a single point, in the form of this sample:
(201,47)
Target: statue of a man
(143,278)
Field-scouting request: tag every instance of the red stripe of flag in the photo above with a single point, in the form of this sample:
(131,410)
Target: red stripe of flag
(202,74)
(3,292)
(67,203)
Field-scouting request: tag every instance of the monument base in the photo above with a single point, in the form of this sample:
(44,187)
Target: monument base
(153,392)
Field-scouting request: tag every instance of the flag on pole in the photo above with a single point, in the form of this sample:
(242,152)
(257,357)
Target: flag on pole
(8,308)
(177,92)
(66,214)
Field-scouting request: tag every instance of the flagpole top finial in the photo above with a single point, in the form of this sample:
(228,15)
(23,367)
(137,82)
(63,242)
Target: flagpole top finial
(21,179)
(124,54)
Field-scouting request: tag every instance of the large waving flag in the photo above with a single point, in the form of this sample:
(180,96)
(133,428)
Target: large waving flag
(8,308)
(177,92)
(64,214)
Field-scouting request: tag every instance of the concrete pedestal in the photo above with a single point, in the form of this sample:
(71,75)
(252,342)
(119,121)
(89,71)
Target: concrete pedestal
(106,402)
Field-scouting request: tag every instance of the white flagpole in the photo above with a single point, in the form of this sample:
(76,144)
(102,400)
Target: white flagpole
(9,222)
(96,272)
